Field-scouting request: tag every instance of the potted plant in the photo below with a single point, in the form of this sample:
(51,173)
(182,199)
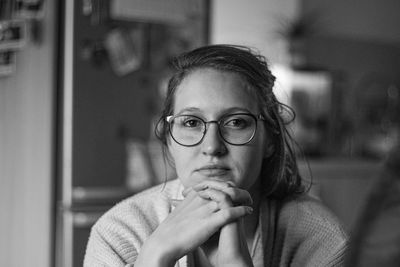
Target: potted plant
(295,32)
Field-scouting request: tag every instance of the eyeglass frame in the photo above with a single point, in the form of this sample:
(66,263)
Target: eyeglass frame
(256,118)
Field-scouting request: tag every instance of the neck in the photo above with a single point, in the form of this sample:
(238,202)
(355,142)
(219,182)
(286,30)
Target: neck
(251,221)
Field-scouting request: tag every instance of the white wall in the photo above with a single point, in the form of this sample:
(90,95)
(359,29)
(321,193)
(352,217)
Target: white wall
(253,23)
(26,102)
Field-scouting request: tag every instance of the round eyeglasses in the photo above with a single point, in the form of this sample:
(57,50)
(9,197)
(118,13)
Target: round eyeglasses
(235,129)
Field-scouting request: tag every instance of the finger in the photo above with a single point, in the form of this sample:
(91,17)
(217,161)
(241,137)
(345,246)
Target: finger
(187,202)
(175,202)
(195,205)
(237,195)
(223,199)
(187,191)
(217,184)
(212,207)
(225,216)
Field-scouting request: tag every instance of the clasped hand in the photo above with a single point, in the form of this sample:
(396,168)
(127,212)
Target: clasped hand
(207,208)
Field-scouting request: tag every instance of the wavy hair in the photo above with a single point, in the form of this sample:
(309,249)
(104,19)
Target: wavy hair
(280,175)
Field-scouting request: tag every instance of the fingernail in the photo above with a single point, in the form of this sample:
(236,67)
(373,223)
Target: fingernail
(199,187)
(231,184)
(175,202)
(204,194)
(249,210)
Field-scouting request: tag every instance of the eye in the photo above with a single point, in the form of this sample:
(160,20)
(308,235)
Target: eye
(237,122)
(189,122)
(192,123)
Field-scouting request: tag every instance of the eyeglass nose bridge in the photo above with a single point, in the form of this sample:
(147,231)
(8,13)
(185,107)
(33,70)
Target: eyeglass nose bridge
(207,126)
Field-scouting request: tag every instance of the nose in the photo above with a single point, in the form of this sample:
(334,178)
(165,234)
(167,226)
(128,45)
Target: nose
(212,143)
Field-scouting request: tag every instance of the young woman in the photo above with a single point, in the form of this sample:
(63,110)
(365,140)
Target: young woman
(238,199)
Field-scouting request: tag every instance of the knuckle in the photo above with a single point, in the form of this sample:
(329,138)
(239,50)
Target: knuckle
(238,195)
(231,191)
(213,206)
(226,199)
(203,200)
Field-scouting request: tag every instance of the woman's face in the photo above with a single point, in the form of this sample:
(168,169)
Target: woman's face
(211,94)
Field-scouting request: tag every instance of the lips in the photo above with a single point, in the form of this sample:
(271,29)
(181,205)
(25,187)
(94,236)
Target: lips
(213,170)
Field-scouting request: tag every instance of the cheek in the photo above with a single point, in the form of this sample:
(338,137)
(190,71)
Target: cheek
(248,164)
(182,158)
(250,159)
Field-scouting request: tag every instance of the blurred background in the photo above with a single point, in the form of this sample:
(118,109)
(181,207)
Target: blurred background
(82,82)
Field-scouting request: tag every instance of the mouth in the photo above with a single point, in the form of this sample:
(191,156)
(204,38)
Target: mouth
(213,170)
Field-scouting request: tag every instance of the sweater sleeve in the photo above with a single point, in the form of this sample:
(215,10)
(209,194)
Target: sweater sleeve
(323,246)
(310,235)
(116,238)
(106,248)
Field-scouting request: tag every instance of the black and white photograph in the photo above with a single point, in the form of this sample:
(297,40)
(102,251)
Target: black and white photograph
(199,133)
(12,34)
(29,9)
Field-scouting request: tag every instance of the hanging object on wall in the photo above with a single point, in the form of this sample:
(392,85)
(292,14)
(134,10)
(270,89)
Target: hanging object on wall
(12,38)
(97,10)
(7,62)
(159,11)
(19,21)
(295,33)
(94,51)
(29,9)
(21,9)
(125,49)
(12,34)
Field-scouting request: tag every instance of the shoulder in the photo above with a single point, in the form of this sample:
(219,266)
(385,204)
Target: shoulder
(150,205)
(152,197)
(310,213)
(123,229)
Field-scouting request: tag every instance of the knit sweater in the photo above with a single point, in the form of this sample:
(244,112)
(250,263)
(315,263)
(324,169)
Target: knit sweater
(294,232)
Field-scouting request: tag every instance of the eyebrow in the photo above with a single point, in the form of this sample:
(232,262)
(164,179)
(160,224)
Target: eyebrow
(223,112)
(189,109)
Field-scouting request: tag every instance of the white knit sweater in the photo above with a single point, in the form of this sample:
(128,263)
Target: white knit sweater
(295,232)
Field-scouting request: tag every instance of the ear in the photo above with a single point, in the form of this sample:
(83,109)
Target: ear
(269,150)
(168,153)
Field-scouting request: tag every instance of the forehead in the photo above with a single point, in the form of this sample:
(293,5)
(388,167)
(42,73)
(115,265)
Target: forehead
(214,91)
